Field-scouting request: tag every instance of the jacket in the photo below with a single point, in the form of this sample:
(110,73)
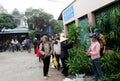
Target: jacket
(64,49)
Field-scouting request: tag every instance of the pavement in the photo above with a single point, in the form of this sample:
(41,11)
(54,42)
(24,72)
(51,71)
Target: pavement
(24,66)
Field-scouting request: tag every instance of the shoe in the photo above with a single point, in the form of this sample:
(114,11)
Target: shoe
(45,78)
(66,75)
(58,68)
(48,75)
(62,72)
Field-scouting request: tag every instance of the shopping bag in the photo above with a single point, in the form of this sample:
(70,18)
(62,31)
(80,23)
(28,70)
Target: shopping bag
(55,61)
(38,54)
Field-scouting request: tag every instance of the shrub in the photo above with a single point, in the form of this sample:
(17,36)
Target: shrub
(111,65)
(78,62)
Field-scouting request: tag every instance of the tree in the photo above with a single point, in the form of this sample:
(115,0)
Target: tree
(7,21)
(38,19)
(58,26)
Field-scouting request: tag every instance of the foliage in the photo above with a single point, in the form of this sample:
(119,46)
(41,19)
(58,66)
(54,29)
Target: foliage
(111,65)
(78,62)
(7,42)
(74,33)
(7,21)
(108,21)
(32,34)
(57,26)
(38,19)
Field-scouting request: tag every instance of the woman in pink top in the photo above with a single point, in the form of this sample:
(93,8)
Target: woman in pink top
(94,52)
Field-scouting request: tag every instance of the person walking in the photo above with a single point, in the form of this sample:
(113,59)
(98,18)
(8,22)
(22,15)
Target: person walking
(64,54)
(94,52)
(29,43)
(57,52)
(46,51)
(35,43)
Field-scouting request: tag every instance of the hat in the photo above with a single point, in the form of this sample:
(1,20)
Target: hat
(45,36)
(63,39)
(96,30)
(95,35)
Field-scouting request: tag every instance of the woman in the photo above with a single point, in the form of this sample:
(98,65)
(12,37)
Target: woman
(94,52)
(102,41)
(57,49)
(45,50)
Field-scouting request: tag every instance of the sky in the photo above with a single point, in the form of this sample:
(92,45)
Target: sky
(53,7)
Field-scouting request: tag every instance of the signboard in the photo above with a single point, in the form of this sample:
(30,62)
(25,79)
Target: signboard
(68,13)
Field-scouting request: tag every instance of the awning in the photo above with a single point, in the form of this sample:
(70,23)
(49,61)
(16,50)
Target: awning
(15,30)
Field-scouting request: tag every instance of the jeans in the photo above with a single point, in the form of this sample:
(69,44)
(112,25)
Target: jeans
(97,69)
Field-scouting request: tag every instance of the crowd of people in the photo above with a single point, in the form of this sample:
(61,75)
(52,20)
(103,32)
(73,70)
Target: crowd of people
(58,49)
(15,45)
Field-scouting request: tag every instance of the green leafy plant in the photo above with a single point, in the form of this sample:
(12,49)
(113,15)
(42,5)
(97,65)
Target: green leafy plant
(108,21)
(32,34)
(111,65)
(74,34)
(78,62)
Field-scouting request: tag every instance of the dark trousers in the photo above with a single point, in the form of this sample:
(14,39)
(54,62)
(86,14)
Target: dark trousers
(97,69)
(40,59)
(101,52)
(46,63)
(35,49)
(65,67)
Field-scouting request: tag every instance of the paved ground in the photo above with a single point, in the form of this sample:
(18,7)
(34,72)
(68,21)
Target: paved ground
(24,66)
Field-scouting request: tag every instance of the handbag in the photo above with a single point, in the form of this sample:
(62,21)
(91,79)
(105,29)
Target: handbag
(38,54)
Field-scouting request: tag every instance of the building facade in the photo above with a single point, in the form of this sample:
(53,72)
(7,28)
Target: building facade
(2,9)
(19,18)
(82,12)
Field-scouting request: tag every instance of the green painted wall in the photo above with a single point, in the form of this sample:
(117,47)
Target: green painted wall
(84,34)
